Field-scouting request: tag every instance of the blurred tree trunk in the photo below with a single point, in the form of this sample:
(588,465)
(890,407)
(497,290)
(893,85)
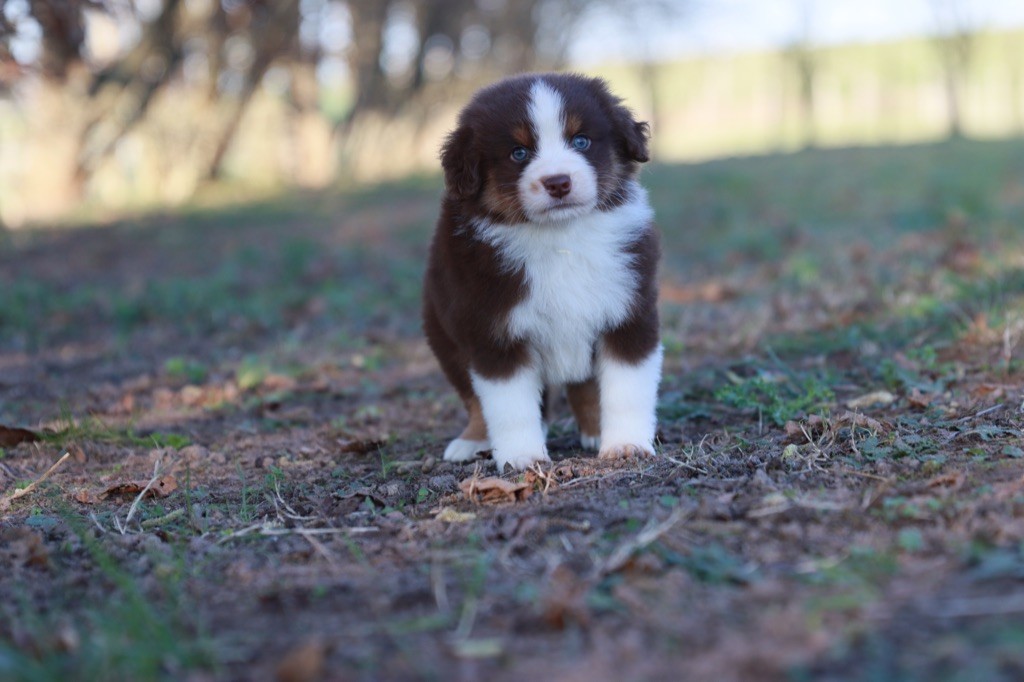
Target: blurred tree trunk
(802,59)
(63,35)
(371,85)
(1015,68)
(272,34)
(955,46)
(135,80)
(955,56)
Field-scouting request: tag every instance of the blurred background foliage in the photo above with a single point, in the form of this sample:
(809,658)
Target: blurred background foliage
(116,104)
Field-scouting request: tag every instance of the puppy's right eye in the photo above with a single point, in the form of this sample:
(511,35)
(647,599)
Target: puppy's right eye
(520,154)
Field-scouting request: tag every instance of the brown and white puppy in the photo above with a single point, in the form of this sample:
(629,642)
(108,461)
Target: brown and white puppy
(542,270)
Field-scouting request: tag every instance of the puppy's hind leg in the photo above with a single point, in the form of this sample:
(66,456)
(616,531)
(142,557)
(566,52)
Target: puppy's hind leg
(585,401)
(473,438)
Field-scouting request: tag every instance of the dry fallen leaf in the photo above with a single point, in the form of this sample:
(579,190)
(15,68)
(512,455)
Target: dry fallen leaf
(303,663)
(919,400)
(361,446)
(23,547)
(873,399)
(704,292)
(11,436)
(863,421)
(450,515)
(951,481)
(494,490)
(564,599)
(162,488)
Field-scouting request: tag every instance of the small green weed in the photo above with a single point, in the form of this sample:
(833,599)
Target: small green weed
(776,398)
(185,369)
(125,636)
(712,564)
(71,430)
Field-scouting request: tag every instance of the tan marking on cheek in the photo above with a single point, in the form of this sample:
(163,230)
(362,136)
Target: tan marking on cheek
(498,199)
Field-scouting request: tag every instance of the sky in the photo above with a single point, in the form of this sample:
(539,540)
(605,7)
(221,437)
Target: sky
(715,26)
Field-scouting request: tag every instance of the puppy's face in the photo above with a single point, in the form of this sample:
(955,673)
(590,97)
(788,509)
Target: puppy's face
(542,149)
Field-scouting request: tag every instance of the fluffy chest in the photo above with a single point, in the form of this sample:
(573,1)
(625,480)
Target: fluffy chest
(575,292)
(580,282)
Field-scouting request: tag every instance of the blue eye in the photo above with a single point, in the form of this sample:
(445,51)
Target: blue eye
(581,143)
(519,154)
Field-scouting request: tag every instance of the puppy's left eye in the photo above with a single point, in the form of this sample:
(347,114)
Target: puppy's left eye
(581,143)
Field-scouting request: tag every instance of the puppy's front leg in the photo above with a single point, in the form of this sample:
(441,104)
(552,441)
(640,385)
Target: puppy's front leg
(629,397)
(511,409)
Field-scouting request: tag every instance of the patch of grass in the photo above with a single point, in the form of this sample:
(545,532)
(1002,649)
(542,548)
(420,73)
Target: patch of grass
(186,369)
(70,430)
(251,372)
(777,398)
(711,563)
(126,636)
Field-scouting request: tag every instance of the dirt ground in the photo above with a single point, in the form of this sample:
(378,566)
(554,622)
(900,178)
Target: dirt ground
(254,427)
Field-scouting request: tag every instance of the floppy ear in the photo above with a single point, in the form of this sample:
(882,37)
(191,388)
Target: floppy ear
(632,135)
(461,164)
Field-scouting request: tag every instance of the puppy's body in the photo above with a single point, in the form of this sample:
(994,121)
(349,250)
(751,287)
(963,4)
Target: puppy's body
(542,270)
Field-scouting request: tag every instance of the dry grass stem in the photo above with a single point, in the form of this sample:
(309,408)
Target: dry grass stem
(35,484)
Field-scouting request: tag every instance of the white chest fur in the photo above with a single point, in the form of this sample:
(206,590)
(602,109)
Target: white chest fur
(580,283)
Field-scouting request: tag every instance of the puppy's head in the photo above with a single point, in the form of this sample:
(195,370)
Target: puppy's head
(543,149)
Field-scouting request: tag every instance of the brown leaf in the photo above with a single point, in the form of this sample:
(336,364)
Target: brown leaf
(77,452)
(814,426)
(279,382)
(11,436)
(863,421)
(494,490)
(361,446)
(919,400)
(303,663)
(705,292)
(23,547)
(873,399)
(85,497)
(950,481)
(162,488)
(564,599)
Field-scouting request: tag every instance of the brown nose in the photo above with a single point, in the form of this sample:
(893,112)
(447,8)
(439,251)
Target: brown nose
(557,185)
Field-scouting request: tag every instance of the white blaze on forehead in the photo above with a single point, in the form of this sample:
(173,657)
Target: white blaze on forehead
(553,155)
(547,116)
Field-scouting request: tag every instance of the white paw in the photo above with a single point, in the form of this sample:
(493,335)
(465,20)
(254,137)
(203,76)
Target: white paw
(625,451)
(462,450)
(520,462)
(590,442)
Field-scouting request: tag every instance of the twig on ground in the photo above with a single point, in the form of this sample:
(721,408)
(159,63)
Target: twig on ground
(271,528)
(289,512)
(92,515)
(319,547)
(987,410)
(651,532)
(135,505)
(35,484)
(161,520)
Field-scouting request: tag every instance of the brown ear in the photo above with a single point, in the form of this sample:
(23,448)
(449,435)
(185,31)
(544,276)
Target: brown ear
(633,135)
(461,164)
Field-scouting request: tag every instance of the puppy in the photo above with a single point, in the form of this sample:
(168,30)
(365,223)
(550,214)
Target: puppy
(542,270)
